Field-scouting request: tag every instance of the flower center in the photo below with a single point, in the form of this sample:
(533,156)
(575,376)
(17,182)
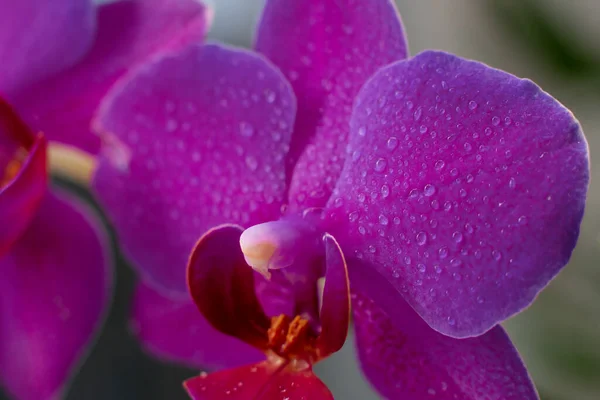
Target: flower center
(292,339)
(13,166)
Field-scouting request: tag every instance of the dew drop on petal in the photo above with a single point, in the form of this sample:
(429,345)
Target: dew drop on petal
(392,143)
(429,190)
(385,191)
(421,238)
(383,220)
(380,165)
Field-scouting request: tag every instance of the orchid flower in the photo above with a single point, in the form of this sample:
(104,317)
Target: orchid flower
(54,260)
(454,190)
(223,288)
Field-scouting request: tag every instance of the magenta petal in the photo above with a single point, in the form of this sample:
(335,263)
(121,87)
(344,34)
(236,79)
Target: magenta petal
(335,311)
(327,50)
(404,358)
(464,183)
(55,290)
(263,381)
(23,177)
(194,139)
(222,286)
(41,37)
(129,32)
(174,330)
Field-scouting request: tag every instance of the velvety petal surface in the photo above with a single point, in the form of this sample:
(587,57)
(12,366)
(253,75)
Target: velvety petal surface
(23,177)
(263,381)
(465,187)
(55,291)
(194,139)
(174,330)
(404,358)
(327,50)
(40,37)
(129,32)
(222,286)
(335,309)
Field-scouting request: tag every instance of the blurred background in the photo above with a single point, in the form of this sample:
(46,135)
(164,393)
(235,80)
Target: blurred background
(554,43)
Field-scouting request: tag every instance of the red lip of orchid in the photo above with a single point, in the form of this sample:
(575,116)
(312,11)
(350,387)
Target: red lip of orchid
(223,287)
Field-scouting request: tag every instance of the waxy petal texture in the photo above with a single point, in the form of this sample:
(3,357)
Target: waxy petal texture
(327,50)
(335,309)
(174,330)
(55,291)
(405,359)
(198,139)
(23,177)
(222,286)
(129,32)
(41,37)
(465,188)
(263,381)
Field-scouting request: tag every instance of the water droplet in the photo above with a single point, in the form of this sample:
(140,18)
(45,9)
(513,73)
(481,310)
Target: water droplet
(380,165)
(383,220)
(435,204)
(372,249)
(456,262)
(270,96)
(447,206)
(457,236)
(462,192)
(423,129)
(479,299)
(443,252)
(429,190)
(251,163)
(497,255)
(512,183)
(495,121)
(451,321)
(454,172)
(397,221)
(407,260)
(361,197)
(362,230)
(439,165)
(472,105)
(418,113)
(392,143)
(522,220)
(246,129)
(385,191)
(469,228)
(353,216)
(456,276)
(362,131)
(468,146)
(421,238)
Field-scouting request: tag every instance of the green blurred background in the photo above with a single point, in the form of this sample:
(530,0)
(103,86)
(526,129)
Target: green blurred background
(554,43)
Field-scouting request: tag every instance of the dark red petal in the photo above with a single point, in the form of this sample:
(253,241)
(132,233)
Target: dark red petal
(263,381)
(222,286)
(22,191)
(335,311)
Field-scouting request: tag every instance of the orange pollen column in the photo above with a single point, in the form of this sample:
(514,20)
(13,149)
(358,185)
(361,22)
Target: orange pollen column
(291,339)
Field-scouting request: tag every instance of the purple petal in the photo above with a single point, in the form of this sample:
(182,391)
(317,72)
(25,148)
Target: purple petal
(23,177)
(174,330)
(464,183)
(404,358)
(128,32)
(327,50)
(222,286)
(55,291)
(263,381)
(40,37)
(198,139)
(335,311)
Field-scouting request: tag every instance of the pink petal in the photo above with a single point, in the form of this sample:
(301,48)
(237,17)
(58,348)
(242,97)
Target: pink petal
(465,188)
(174,330)
(39,38)
(21,194)
(327,50)
(222,286)
(335,311)
(404,358)
(263,381)
(55,290)
(198,139)
(129,32)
